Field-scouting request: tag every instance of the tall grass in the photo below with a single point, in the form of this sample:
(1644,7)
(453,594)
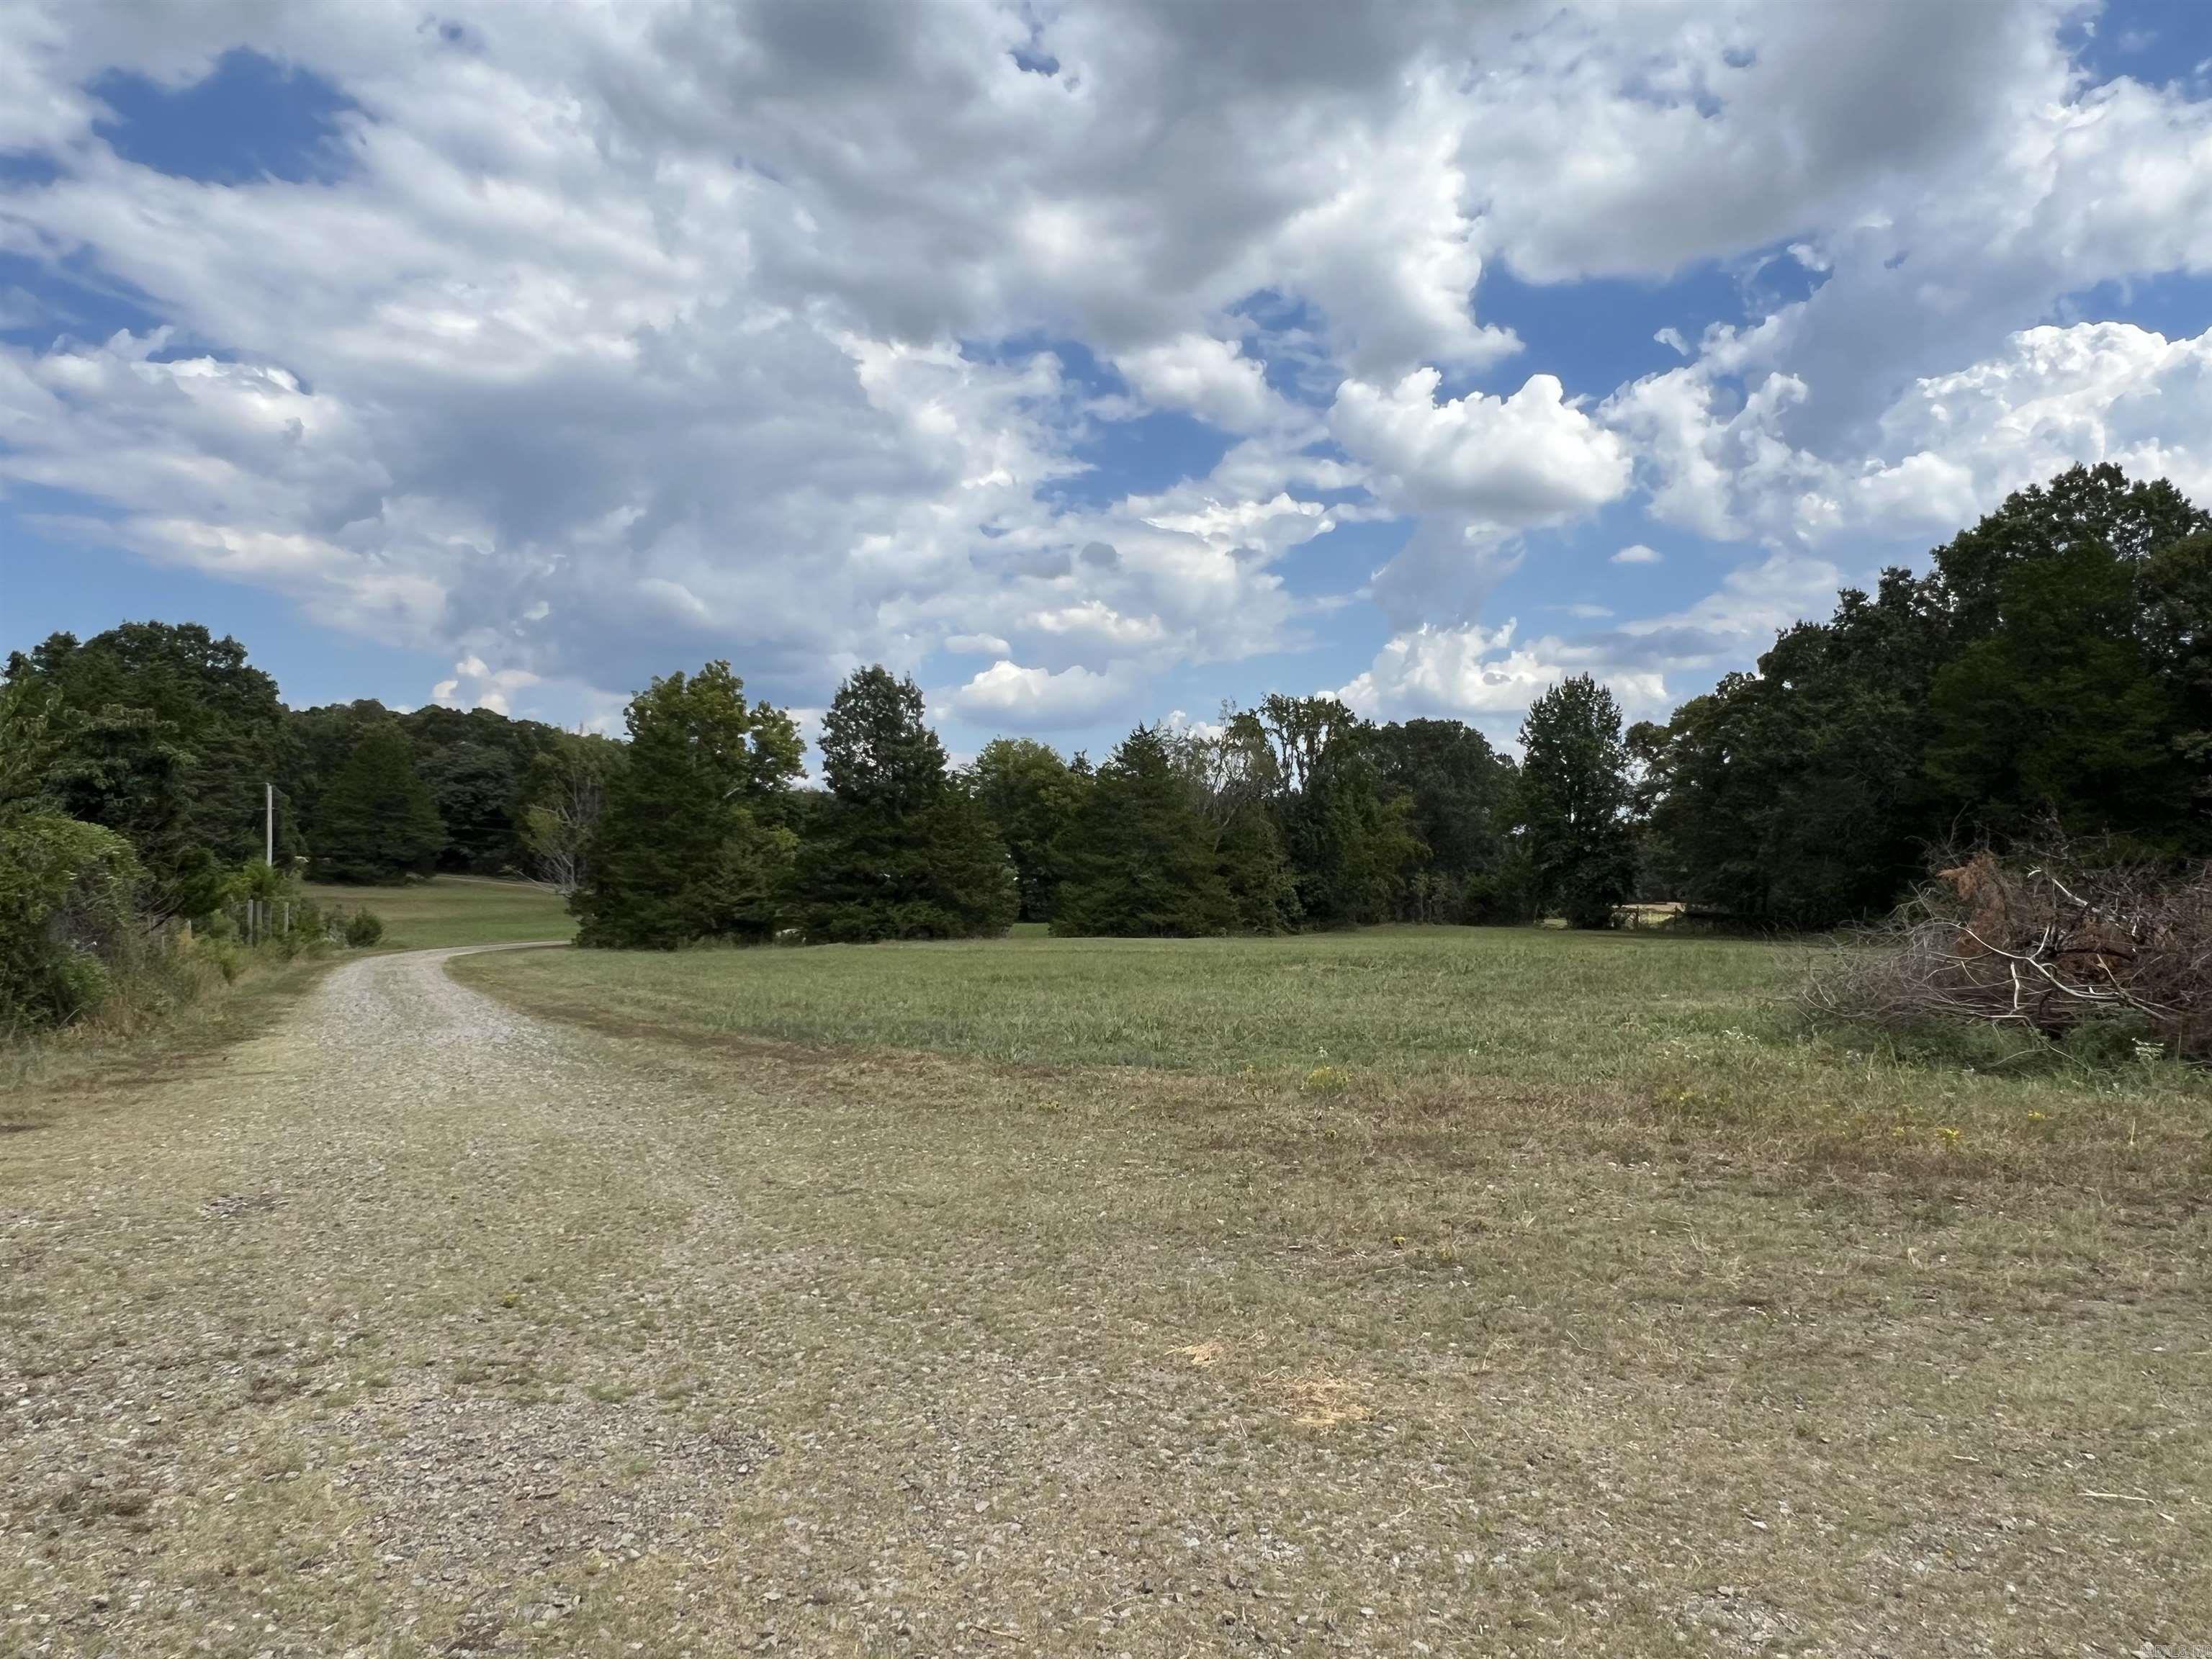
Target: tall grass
(176,999)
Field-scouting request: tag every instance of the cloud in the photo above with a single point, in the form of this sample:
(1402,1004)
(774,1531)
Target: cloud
(1006,695)
(1635,553)
(1503,461)
(475,685)
(2094,392)
(977,645)
(1486,676)
(1948,449)
(1490,675)
(615,336)
(1208,377)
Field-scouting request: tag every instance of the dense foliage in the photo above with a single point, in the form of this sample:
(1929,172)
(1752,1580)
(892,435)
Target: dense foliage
(1137,856)
(693,841)
(68,914)
(898,850)
(2051,672)
(1031,795)
(1574,802)
(2052,669)
(377,821)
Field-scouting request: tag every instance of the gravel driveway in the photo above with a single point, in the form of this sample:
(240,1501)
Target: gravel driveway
(422,1327)
(296,1359)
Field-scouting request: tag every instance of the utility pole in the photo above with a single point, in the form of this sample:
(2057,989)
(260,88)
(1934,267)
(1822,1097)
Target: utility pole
(268,848)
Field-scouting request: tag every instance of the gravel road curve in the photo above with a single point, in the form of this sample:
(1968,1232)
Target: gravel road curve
(310,1349)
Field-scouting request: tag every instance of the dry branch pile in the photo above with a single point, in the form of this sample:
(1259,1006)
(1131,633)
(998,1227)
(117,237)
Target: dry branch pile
(2046,943)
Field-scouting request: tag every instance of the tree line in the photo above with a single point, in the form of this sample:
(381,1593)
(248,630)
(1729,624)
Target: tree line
(2051,668)
(1296,814)
(2051,671)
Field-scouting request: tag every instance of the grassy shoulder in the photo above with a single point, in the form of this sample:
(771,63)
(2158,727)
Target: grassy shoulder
(141,1040)
(455,910)
(1639,1042)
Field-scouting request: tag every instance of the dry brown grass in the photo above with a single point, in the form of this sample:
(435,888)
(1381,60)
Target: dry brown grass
(607,1340)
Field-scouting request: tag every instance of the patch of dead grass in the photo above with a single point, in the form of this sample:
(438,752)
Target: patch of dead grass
(1317,1402)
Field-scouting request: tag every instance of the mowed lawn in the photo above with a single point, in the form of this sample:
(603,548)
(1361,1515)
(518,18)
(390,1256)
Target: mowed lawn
(1552,1032)
(455,910)
(1445,1291)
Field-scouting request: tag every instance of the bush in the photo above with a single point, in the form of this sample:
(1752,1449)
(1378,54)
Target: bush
(225,955)
(68,919)
(364,929)
(2104,955)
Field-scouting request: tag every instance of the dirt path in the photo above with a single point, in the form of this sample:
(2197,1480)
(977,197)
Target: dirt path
(420,1326)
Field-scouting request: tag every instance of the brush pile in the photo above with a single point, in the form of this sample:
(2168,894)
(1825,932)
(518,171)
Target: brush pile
(2051,942)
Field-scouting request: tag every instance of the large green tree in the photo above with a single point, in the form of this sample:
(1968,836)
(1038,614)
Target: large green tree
(1030,795)
(2175,626)
(2053,664)
(896,851)
(1139,858)
(694,839)
(1574,802)
(168,736)
(1459,795)
(1348,836)
(478,798)
(2056,711)
(1795,794)
(378,821)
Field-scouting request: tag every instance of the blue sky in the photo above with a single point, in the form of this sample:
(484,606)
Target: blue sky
(1091,366)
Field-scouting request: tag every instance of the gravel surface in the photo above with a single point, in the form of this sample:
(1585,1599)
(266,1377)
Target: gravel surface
(267,1358)
(423,1326)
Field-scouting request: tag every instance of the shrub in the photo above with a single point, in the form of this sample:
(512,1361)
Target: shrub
(67,917)
(364,929)
(224,955)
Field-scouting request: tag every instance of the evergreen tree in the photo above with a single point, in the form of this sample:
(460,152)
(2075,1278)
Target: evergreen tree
(1574,801)
(1139,858)
(1263,890)
(896,852)
(877,751)
(693,841)
(378,821)
(1031,796)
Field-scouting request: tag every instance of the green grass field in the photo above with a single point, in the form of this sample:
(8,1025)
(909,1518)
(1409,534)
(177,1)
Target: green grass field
(1696,1035)
(455,910)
